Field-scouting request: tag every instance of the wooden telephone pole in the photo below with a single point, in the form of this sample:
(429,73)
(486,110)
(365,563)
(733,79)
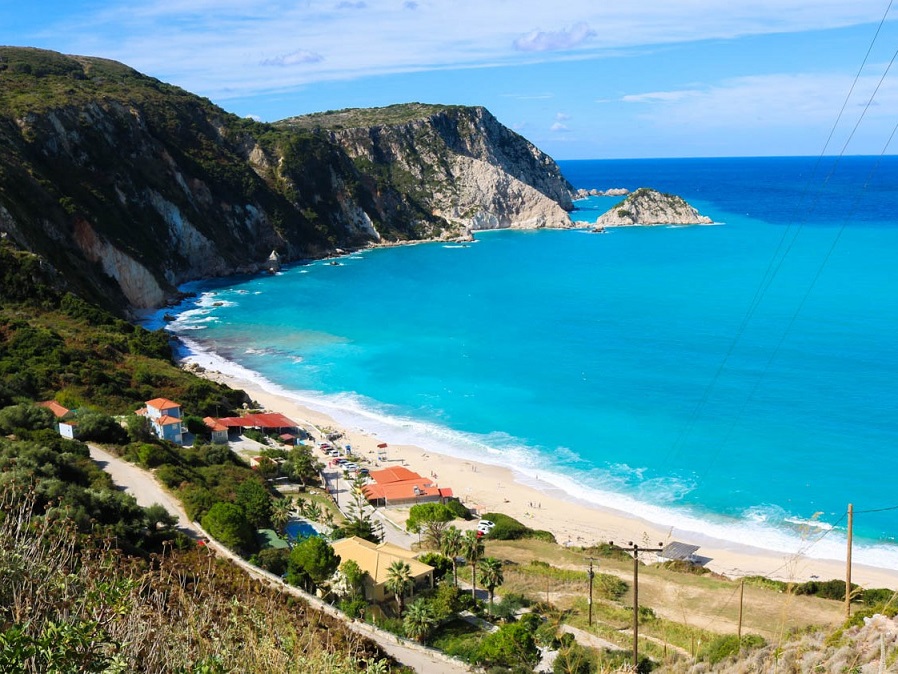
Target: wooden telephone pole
(591,575)
(741,599)
(635,550)
(848,562)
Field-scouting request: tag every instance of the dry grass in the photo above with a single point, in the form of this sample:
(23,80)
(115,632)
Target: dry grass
(700,604)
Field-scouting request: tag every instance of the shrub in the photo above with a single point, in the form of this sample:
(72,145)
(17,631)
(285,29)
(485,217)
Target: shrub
(354,608)
(150,455)
(25,417)
(440,563)
(226,523)
(828,589)
(507,528)
(171,476)
(458,509)
(273,560)
(101,428)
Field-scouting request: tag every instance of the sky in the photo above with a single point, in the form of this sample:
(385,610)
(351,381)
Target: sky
(581,79)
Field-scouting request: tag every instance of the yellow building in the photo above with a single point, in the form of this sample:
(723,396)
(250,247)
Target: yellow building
(375,560)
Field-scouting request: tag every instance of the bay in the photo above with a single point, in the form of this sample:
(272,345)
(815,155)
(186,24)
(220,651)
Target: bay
(736,379)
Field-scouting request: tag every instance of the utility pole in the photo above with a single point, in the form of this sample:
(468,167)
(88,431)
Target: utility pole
(741,596)
(635,550)
(591,574)
(848,562)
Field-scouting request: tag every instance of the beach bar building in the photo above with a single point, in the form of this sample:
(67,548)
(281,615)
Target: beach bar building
(375,560)
(267,422)
(399,486)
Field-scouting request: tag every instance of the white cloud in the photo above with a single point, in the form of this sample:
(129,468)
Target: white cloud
(297,57)
(558,127)
(218,47)
(554,40)
(560,116)
(770,103)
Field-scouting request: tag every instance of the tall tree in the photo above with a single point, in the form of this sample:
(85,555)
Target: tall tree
(491,576)
(472,550)
(399,581)
(281,512)
(255,500)
(451,546)
(312,561)
(358,521)
(432,519)
(301,465)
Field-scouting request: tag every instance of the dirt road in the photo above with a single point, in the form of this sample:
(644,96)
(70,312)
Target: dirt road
(147,491)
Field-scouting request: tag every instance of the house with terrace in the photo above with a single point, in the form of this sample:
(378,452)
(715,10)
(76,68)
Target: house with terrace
(374,559)
(165,419)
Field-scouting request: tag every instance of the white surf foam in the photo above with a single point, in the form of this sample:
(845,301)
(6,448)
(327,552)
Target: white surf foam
(758,527)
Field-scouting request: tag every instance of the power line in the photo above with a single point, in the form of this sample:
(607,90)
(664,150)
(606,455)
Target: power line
(777,261)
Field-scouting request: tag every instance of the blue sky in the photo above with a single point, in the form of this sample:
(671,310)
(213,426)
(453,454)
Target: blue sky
(579,78)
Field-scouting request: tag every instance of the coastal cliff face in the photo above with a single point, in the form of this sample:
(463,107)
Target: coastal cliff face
(128,186)
(649,207)
(457,164)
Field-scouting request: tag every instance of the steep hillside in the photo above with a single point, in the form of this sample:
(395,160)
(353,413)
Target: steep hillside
(460,163)
(129,186)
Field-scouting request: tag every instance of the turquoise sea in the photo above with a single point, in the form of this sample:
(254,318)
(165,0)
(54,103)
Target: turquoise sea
(739,380)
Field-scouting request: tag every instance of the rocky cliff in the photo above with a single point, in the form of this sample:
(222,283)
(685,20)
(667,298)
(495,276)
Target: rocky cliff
(457,163)
(648,207)
(129,186)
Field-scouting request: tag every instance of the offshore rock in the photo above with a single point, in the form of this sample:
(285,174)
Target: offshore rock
(649,207)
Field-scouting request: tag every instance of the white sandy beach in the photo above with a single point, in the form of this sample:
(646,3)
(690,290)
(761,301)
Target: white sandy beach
(492,488)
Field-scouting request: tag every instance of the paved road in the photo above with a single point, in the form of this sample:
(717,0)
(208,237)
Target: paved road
(147,491)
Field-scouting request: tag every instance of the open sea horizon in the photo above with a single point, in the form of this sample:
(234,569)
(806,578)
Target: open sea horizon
(737,381)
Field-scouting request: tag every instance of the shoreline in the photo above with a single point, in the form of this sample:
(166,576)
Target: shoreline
(538,503)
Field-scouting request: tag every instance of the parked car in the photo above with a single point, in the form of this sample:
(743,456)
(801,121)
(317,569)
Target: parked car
(484,527)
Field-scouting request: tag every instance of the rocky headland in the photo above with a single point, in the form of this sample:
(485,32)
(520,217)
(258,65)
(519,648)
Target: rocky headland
(128,186)
(648,207)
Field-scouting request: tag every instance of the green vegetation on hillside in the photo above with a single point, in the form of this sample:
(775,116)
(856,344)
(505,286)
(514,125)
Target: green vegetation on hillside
(351,118)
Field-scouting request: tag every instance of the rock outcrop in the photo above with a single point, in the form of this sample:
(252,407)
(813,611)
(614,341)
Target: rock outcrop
(130,186)
(612,192)
(458,163)
(649,207)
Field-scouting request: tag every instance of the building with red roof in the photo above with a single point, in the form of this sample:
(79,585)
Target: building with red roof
(399,486)
(217,429)
(58,410)
(269,421)
(165,419)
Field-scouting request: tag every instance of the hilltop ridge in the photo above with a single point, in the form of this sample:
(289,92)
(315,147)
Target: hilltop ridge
(129,186)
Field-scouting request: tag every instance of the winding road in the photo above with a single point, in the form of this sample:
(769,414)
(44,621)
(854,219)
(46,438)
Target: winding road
(146,490)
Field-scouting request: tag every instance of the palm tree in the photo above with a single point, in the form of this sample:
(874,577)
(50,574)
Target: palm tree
(451,547)
(419,621)
(491,576)
(281,512)
(399,581)
(472,550)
